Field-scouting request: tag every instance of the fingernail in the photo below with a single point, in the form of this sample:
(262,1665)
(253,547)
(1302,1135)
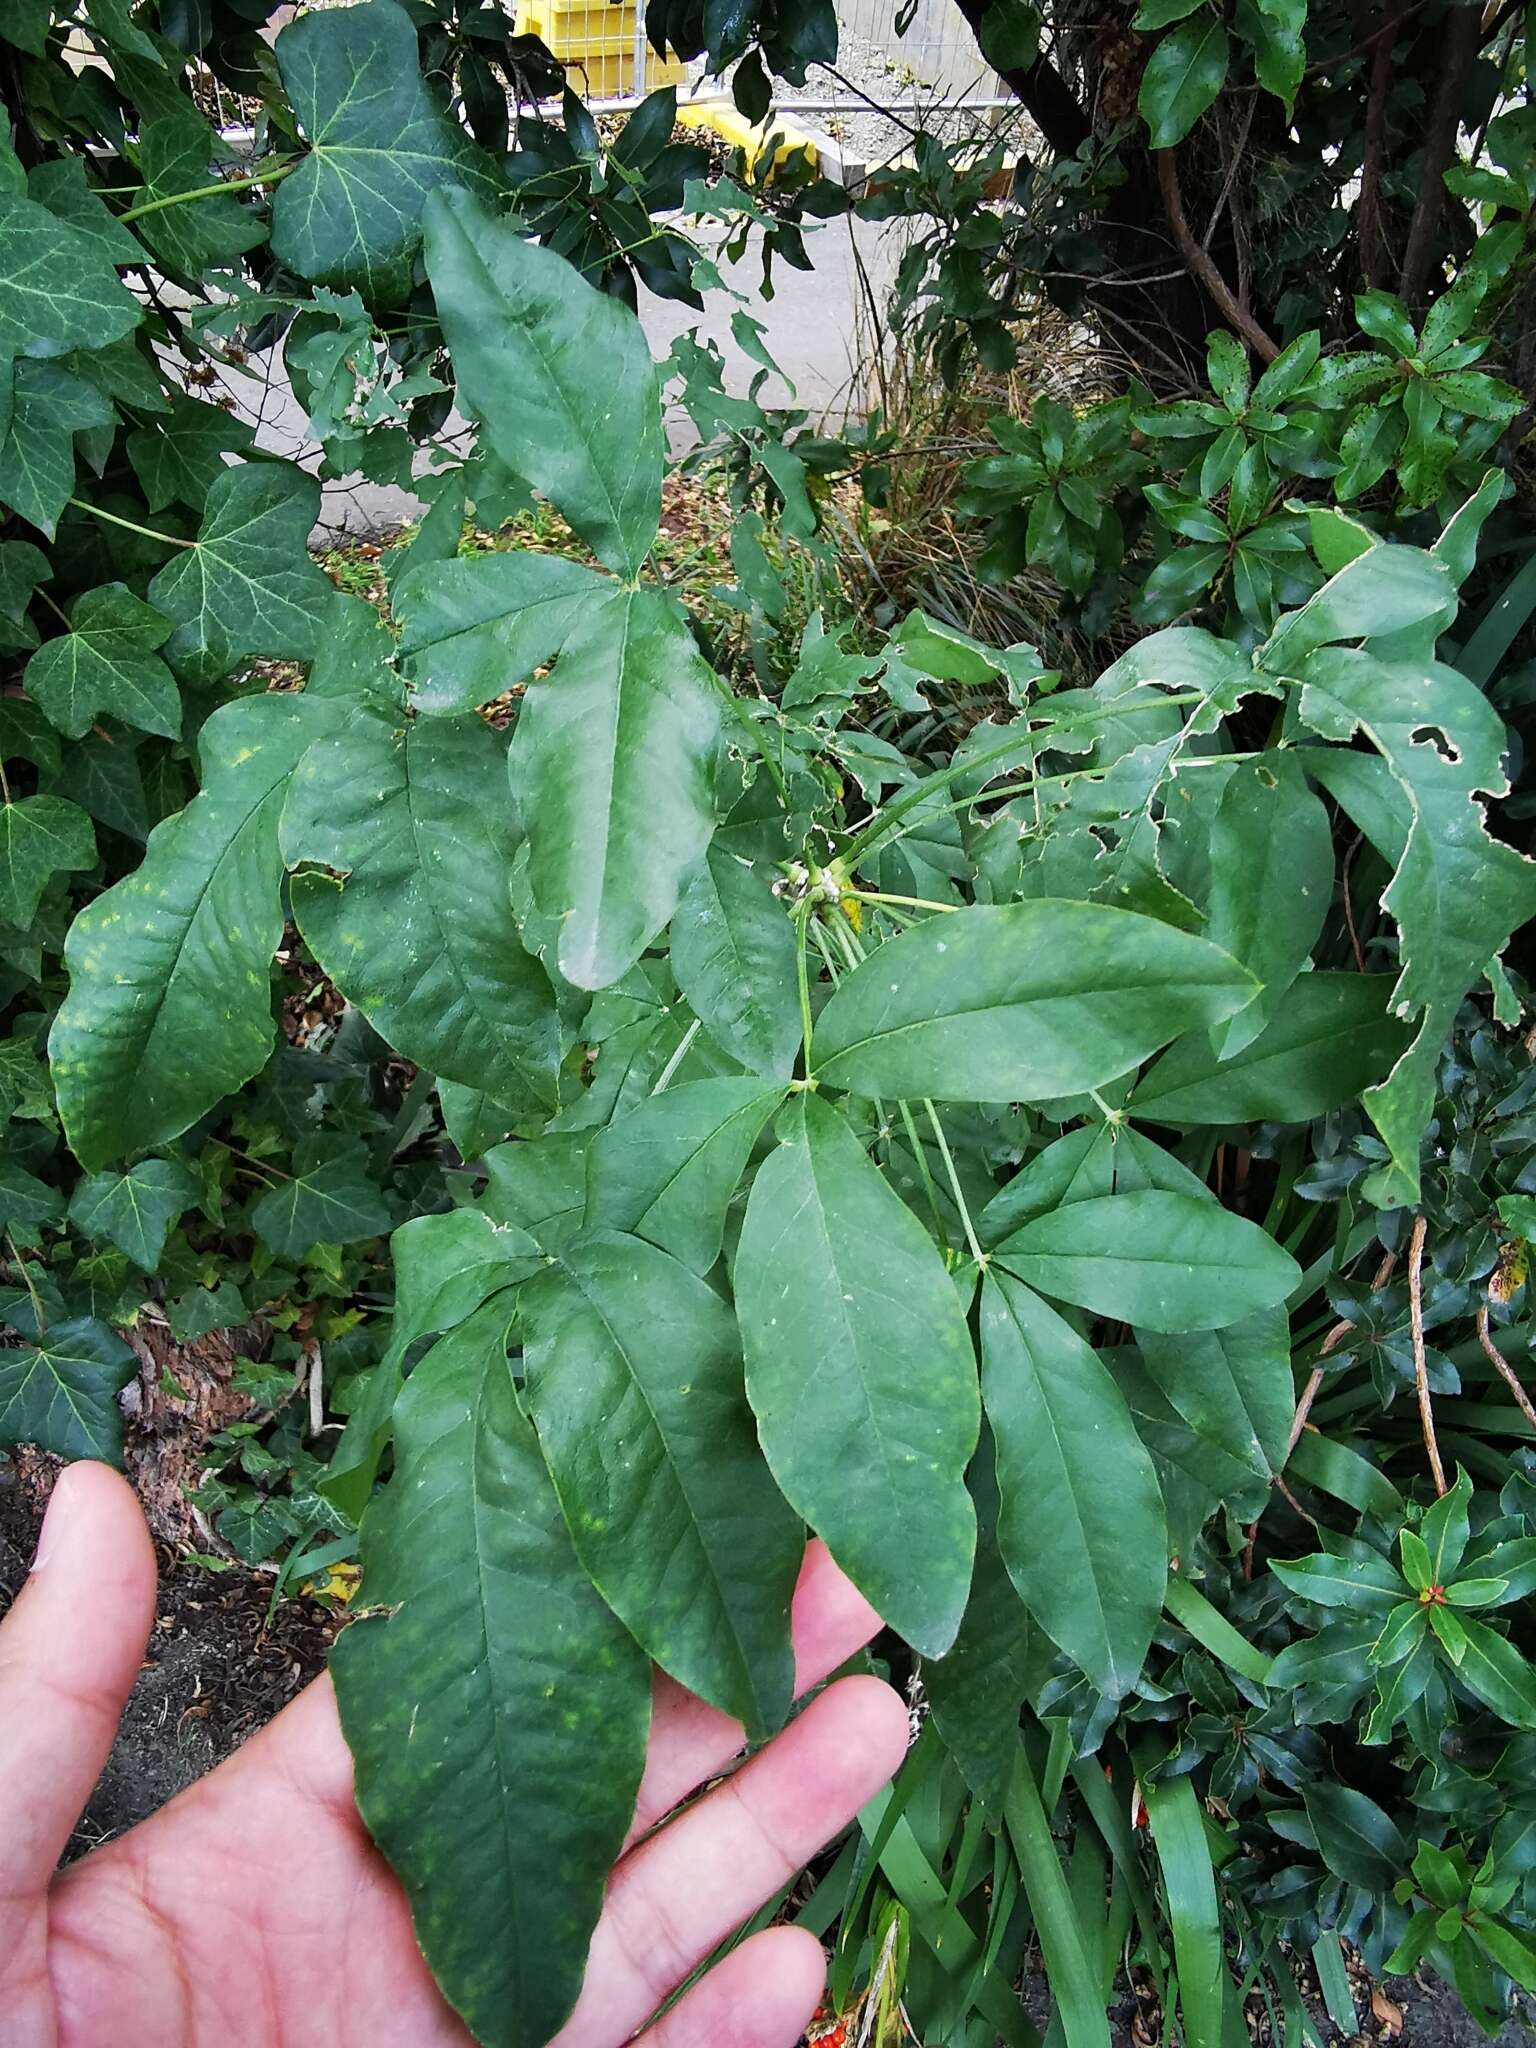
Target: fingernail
(55,1519)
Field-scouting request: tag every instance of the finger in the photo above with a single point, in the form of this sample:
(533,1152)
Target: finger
(69,1650)
(691,1742)
(762,1996)
(672,1899)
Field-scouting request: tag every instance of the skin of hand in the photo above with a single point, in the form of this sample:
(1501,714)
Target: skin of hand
(254,1910)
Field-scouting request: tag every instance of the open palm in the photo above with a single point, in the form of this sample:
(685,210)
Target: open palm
(255,1908)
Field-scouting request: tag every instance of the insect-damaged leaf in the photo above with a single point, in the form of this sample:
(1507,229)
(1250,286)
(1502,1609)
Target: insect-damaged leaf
(635,1388)
(487,1663)
(860,1372)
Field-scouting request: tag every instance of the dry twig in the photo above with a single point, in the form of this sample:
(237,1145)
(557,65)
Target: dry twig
(1420,1365)
(1502,1366)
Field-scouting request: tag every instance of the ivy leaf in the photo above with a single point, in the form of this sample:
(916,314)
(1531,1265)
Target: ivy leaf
(330,1198)
(635,1389)
(135,1210)
(472,630)
(58,290)
(414,923)
(169,1005)
(733,953)
(1458,893)
(246,585)
(1023,1002)
(1166,1262)
(107,662)
(179,459)
(860,1372)
(488,1650)
(668,1169)
(351,213)
(611,765)
(557,372)
(1333,1036)
(61,1392)
(39,836)
(50,405)
(1080,1518)
(1183,76)
(175,155)
(61,185)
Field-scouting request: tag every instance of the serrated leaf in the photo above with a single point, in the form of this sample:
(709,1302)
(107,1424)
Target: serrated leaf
(490,1655)
(1023,1002)
(557,372)
(635,1389)
(471,631)
(860,1372)
(414,923)
(1165,1262)
(247,584)
(611,766)
(58,289)
(330,1197)
(733,953)
(107,662)
(351,214)
(1271,882)
(135,1209)
(169,1004)
(1080,1521)
(61,1392)
(40,836)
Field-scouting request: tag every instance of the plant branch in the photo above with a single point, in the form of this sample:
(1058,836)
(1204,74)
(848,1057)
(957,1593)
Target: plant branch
(1420,1363)
(214,191)
(1201,265)
(1502,1366)
(1369,238)
(1461,44)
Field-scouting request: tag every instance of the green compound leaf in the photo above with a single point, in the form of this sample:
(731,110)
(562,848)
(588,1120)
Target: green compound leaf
(1233,1387)
(1021,1003)
(557,372)
(413,922)
(58,289)
(37,459)
(733,952)
(486,1664)
(330,1197)
(611,766)
(247,584)
(1183,76)
(1166,1262)
(472,630)
(351,213)
(635,1389)
(1332,1037)
(861,1374)
(61,1393)
(1080,1520)
(667,1170)
(135,1210)
(39,837)
(1457,894)
(107,662)
(169,1005)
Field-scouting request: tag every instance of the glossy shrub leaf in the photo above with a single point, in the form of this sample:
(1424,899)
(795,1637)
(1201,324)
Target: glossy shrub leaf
(635,1389)
(1331,1038)
(1183,76)
(107,661)
(1494,1670)
(351,213)
(404,833)
(472,630)
(1359,1841)
(330,1197)
(733,952)
(1165,1262)
(1271,882)
(57,285)
(488,1656)
(1080,1519)
(40,837)
(61,1391)
(860,1372)
(667,1170)
(247,584)
(611,769)
(169,1005)
(1021,1003)
(135,1209)
(558,374)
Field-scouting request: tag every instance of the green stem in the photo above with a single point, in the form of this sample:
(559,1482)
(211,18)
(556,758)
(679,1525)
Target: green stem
(129,526)
(954,1186)
(678,1056)
(802,976)
(929,1190)
(912,902)
(213,191)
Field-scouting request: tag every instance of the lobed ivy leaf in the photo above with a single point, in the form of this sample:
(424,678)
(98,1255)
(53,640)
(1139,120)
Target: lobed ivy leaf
(58,287)
(329,1197)
(135,1209)
(107,662)
(60,1392)
(50,405)
(175,155)
(40,836)
(178,460)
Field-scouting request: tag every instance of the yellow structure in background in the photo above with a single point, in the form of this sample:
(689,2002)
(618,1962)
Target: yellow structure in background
(597,39)
(722,116)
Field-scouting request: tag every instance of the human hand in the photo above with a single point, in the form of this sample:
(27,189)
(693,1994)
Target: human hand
(254,1909)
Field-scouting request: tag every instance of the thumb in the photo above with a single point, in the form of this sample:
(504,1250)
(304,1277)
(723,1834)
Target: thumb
(69,1649)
